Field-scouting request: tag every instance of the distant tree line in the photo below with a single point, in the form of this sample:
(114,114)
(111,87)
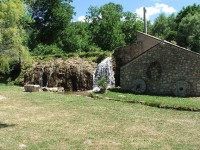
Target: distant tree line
(43,27)
(182,29)
(105,27)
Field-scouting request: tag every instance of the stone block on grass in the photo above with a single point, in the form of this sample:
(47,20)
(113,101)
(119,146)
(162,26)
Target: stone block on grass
(31,88)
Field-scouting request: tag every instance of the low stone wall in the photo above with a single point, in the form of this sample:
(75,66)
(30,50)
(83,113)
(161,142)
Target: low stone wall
(31,88)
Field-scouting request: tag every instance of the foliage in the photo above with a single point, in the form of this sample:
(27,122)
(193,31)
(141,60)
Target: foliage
(130,25)
(189,32)
(164,27)
(105,26)
(182,29)
(50,19)
(12,48)
(95,56)
(47,50)
(75,38)
(46,28)
(4,63)
(193,9)
(111,27)
(102,83)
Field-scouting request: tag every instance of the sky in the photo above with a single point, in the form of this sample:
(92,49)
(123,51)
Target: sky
(153,7)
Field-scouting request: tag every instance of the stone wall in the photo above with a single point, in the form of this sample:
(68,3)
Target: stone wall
(147,41)
(165,69)
(123,55)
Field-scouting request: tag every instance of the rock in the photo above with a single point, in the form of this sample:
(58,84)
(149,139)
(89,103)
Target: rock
(96,90)
(53,89)
(99,90)
(31,88)
(72,75)
(2,97)
(22,146)
(45,89)
(61,90)
(102,90)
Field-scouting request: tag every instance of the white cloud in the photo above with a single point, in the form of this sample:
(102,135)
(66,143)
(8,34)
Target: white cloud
(81,18)
(156,9)
(165,8)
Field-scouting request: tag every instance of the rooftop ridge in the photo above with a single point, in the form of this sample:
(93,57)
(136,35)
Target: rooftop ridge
(167,42)
(150,36)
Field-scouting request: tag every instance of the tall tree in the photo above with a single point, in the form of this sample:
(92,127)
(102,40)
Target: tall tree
(189,32)
(105,26)
(130,25)
(50,19)
(75,38)
(185,11)
(164,27)
(12,50)
(187,26)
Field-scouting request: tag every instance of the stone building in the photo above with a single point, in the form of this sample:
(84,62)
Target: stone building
(160,68)
(125,54)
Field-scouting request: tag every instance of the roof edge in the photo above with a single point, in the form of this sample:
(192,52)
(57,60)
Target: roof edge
(142,54)
(150,36)
(167,42)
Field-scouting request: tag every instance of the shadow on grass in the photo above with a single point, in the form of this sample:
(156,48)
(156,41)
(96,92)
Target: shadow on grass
(3,125)
(179,108)
(122,91)
(147,103)
(119,90)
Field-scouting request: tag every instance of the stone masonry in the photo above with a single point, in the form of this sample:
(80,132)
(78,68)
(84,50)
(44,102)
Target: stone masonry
(124,55)
(164,69)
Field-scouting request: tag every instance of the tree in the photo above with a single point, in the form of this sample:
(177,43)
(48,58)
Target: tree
(130,25)
(185,11)
(75,38)
(105,26)
(164,27)
(12,50)
(172,33)
(189,32)
(187,26)
(50,19)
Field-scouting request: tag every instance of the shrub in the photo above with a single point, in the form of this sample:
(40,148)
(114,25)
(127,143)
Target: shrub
(102,83)
(47,50)
(4,63)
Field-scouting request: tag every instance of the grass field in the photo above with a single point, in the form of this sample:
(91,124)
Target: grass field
(167,102)
(54,121)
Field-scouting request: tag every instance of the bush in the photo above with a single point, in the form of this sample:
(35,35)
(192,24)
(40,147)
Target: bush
(47,50)
(4,63)
(102,83)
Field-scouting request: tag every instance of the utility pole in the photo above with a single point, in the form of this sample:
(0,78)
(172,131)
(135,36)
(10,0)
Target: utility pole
(145,20)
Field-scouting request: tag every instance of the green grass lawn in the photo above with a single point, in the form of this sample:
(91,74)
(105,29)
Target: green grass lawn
(54,121)
(188,104)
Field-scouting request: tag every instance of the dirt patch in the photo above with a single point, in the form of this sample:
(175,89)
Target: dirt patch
(101,143)
(79,93)
(1,98)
